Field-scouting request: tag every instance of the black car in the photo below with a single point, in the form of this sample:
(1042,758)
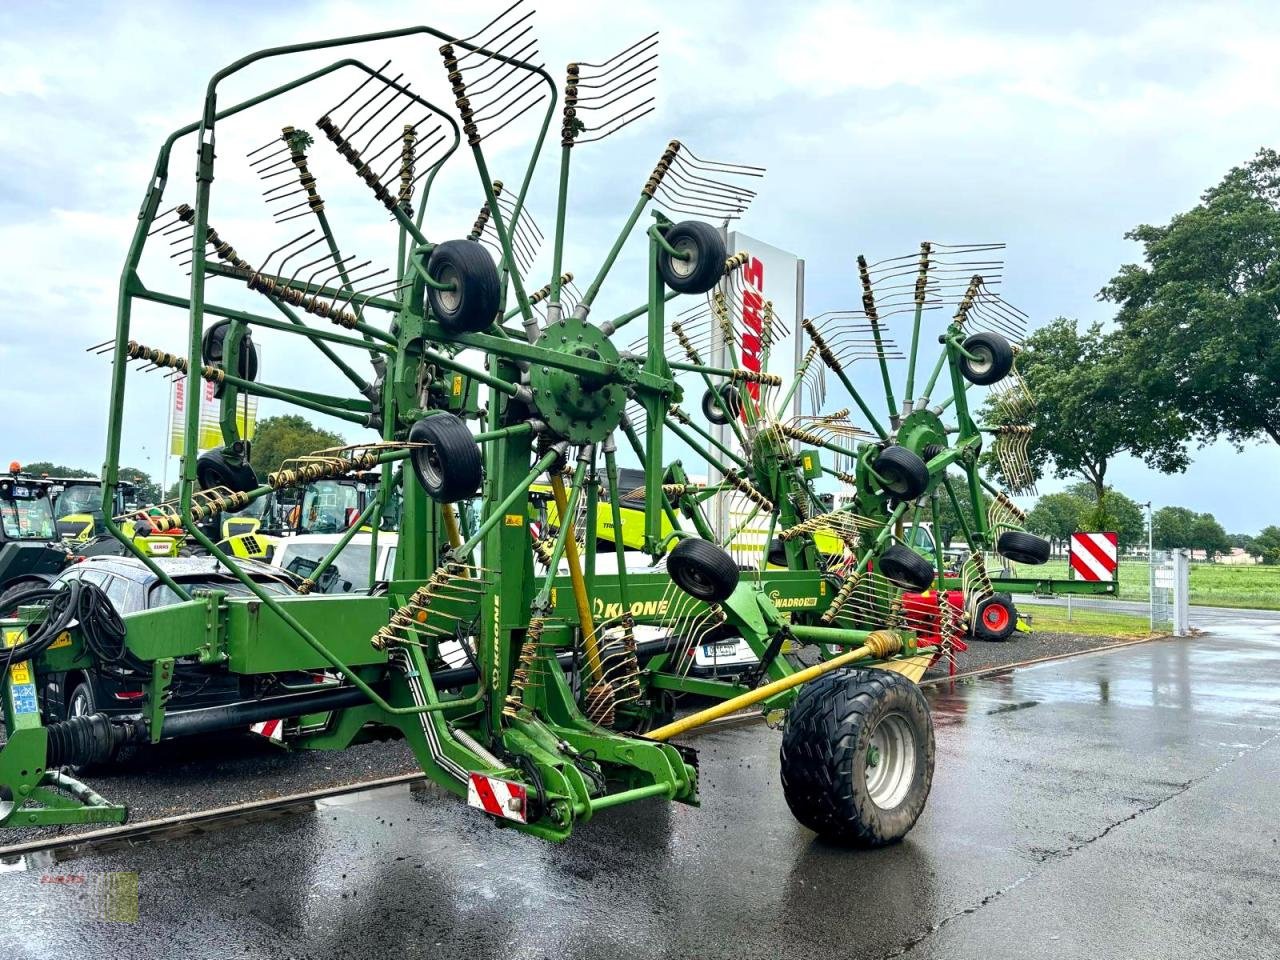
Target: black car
(132,588)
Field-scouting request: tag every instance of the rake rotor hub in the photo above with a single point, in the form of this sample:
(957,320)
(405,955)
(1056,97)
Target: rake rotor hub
(580,407)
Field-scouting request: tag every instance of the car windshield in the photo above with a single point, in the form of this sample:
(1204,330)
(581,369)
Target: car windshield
(163,596)
(27,519)
(328,507)
(352,565)
(79,498)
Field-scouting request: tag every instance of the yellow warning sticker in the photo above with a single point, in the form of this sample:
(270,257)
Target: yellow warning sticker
(553,596)
(21,672)
(64,640)
(514,520)
(808,462)
(822,588)
(457,384)
(11,637)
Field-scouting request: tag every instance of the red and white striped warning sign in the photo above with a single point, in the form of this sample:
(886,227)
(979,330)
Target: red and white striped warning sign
(271,729)
(1094,556)
(501,798)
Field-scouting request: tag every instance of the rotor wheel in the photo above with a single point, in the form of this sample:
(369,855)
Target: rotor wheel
(905,568)
(700,263)
(990,358)
(1022,547)
(703,570)
(471,304)
(903,473)
(448,463)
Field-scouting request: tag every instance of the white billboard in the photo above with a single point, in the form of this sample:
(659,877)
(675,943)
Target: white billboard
(772,280)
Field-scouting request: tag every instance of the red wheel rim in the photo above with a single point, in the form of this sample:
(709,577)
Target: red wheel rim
(996,616)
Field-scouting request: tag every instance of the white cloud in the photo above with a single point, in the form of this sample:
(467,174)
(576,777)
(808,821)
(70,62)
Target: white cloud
(880,124)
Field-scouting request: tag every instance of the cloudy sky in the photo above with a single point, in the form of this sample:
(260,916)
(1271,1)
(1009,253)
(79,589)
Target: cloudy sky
(881,124)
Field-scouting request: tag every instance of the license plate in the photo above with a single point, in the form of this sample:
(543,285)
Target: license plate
(719,651)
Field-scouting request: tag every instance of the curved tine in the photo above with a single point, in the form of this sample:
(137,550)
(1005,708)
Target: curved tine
(525,221)
(395,92)
(268,157)
(263,269)
(434,163)
(360,109)
(685,175)
(395,116)
(364,83)
(611,98)
(301,250)
(264,146)
(368,293)
(487,43)
(675,204)
(338,265)
(682,194)
(609,133)
(348,271)
(159,222)
(502,67)
(640,67)
(612,124)
(350,285)
(517,115)
(514,90)
(742,169)
(617,56)
(326,256)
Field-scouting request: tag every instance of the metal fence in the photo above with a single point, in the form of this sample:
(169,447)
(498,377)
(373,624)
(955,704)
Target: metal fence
(1164,608)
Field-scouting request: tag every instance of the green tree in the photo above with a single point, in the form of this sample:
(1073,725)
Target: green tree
(39,467)
(1086,412)
(1172,528)
(278,439)
(1208,535)
(949,525)
(1245,542)
(148,491)
(1056,516)
(1268,544)
(1198,318)
(1115,512)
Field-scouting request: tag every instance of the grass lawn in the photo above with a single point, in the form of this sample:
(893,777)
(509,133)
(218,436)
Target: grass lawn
(1212,584)
(1089,622)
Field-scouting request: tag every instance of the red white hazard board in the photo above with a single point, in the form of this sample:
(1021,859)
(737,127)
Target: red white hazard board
(501,798)
(1094,556)
(271,729)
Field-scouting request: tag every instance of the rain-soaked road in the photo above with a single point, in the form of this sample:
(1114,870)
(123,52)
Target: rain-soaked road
(1121,805)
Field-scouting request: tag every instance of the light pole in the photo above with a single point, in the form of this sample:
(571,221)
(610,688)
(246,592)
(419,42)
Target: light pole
(1151,567)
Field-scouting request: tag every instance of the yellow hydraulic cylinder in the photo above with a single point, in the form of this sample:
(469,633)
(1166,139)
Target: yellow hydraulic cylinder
(879,645)
(585,620)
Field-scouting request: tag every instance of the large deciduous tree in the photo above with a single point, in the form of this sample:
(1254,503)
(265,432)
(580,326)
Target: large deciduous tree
(1198,319)
(1087,412)
(1056,516)
(278,439)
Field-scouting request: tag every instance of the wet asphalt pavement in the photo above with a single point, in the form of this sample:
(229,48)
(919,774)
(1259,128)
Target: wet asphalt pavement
(1118,805)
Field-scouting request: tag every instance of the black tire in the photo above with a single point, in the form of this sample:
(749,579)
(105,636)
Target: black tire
(703,267)
(730,400)
(906,568)
(211,348)
(1023,547)
(777,554)
(830,778)
(217,469)
(905,475)
(472,306)
(994,358)
(702,570)
(995,619)
(449,465)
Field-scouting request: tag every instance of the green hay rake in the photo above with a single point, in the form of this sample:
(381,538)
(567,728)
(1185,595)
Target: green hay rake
(485,388)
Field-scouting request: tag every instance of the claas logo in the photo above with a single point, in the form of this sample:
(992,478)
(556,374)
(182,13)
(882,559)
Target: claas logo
(752,320)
